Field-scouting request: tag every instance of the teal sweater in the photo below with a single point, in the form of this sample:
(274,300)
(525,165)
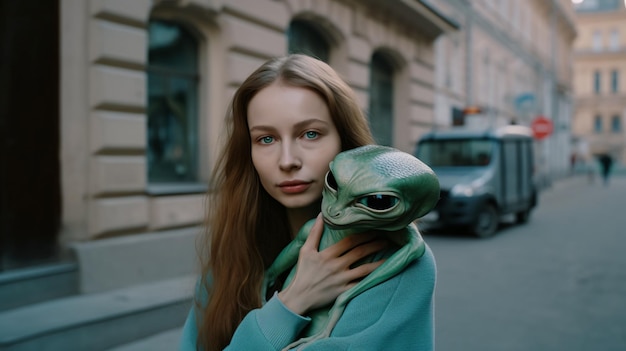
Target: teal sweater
(397,314)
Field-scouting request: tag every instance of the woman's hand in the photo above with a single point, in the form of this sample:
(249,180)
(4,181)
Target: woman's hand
(321,276)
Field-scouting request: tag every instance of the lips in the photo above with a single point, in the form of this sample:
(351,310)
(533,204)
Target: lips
(294,186)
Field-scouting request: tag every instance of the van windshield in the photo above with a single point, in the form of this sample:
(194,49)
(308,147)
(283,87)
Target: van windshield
(456,152)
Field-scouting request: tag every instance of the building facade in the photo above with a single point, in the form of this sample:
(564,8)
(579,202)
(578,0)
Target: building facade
(144,86)
(510,62)
(600,71)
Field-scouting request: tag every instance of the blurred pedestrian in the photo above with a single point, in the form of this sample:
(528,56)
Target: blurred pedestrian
(606,163)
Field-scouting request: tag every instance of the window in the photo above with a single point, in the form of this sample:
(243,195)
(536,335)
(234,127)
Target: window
(381,99)
(303,38)
(614,81)
(596,82)
(597,41)
(614,40)
(597,124)
(616,124)
(456,152)
(172,104)
(458,117)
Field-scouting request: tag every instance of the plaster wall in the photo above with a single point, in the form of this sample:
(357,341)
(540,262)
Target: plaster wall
(103,103)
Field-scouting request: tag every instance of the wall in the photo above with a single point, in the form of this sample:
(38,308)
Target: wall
(103,102)
(506,72)
(596,50)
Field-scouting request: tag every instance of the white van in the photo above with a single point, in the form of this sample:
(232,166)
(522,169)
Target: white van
(483,174)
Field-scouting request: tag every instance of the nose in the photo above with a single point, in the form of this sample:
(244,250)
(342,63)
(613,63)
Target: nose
(334,212)
(289,157)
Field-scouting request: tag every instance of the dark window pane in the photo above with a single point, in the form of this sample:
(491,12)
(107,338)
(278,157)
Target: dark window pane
(381,100)
(616,124)
(456,152)
(172,105)
(596,82)
(597,124)
(303,38)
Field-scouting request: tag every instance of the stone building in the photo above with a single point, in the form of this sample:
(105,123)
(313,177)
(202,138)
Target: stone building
(143,88)
(149,89)
(111,118)
(510,61)
(600,68)
(112,114)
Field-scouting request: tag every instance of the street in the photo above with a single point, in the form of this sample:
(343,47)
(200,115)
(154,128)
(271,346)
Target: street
(556,283)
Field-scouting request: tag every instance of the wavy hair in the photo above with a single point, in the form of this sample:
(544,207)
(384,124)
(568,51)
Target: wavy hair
(246,227)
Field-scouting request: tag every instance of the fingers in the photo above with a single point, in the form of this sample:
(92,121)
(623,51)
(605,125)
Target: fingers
(321,276)
(356,274)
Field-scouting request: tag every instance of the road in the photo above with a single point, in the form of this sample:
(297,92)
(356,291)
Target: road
(556,283)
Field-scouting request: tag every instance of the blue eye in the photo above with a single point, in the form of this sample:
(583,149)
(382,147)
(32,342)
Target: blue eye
(311,134)
(379,202)
(266,140)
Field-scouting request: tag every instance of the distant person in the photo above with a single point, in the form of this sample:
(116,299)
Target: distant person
(606,162)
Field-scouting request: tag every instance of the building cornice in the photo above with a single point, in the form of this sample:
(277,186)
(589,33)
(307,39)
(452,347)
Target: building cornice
(419,14)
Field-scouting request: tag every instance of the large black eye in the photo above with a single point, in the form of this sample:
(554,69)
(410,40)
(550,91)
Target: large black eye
(378,201)
(330,181)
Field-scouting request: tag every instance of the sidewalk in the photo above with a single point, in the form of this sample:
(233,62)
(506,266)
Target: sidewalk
(582,181)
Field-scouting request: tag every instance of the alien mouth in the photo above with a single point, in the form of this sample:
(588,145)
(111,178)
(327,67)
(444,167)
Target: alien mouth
(338,224)
(362,223)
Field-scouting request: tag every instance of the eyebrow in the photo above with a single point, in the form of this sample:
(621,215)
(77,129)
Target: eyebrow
(298,125)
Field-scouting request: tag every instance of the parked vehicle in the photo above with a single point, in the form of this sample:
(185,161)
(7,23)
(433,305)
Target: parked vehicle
(483,174)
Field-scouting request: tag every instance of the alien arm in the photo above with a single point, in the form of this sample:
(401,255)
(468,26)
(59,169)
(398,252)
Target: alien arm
(287,258)
(397,314)
(412,250)
(394,265)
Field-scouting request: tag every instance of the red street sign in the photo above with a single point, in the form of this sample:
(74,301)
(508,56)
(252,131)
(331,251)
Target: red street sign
(542,127)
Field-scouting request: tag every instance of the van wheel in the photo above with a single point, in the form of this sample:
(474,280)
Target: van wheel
(487,222)
(522,216)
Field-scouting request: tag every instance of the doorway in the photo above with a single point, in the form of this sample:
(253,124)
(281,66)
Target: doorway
(30,199)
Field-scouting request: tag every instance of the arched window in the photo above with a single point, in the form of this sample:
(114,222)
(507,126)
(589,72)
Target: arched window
(303,38)
(381,99)
(172,104)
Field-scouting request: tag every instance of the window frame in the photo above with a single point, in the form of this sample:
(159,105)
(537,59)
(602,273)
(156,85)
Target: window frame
(597,82)
(187,85)
(382,71)
(304,38)
(616,123)
(597,124)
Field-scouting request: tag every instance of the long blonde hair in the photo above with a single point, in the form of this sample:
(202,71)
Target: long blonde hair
(248,228)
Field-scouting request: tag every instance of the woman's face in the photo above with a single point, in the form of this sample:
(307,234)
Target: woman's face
(293,140)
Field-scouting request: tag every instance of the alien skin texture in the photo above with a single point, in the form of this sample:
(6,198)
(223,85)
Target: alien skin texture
(370,188)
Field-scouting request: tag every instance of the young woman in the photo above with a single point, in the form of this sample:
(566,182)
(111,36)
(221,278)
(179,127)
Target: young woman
(287,121)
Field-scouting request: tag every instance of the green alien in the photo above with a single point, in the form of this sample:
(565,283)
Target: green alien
(370,188)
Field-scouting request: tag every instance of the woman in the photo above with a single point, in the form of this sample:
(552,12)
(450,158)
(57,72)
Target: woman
(287,121)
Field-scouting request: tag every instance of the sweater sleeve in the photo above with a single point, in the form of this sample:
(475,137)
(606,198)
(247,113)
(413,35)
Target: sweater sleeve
(271,327)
